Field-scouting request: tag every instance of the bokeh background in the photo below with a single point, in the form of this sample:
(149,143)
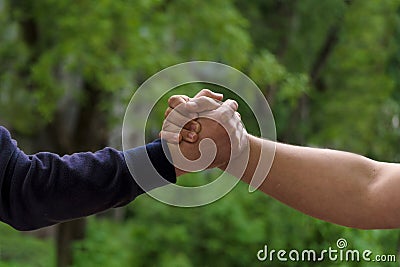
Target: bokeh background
(329,69)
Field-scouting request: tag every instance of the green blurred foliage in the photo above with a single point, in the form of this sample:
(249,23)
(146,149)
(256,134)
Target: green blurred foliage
(358,84)
(18,250)
(329,69)
(57,46)
(227,233)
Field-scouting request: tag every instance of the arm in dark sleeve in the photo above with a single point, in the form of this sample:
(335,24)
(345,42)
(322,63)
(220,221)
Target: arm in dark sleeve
(44,189)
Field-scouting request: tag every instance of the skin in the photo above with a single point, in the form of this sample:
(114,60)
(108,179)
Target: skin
(209,111)
(189,131)
(335,186)
(211,130)
(191,135)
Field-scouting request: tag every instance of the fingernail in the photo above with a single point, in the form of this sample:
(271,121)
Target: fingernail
(194,127)
(191,135)
(234,104)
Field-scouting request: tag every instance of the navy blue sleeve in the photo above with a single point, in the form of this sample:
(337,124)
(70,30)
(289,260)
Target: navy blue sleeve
(44,189)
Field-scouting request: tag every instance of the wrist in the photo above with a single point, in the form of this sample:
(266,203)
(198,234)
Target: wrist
(239,159)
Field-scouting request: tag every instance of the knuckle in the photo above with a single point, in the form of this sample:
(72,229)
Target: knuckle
(226,112)
(201,98)
(175,100)
(171,100)
(206,91)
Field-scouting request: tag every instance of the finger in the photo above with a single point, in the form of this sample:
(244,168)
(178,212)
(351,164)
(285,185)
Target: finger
(178,119)
(238,114)
(176,100)
(237,134)
(209,93)
(188,136)
(186,121)
(234,125)
(170,127)
(170,137)
(242,137)
(167,112)
(193,126)
(201,104)
(227,110)
(181,109)
(231,103)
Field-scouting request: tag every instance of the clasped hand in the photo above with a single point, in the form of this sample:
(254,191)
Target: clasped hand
(203,132)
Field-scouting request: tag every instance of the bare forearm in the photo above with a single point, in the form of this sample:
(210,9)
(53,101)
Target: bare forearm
(335,186)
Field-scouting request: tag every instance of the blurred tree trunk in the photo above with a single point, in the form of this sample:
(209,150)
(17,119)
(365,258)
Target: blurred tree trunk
(77,126)
(67,234)
(295,133)
(323,55)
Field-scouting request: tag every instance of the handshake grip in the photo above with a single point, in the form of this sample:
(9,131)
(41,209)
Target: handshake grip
(218,137)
